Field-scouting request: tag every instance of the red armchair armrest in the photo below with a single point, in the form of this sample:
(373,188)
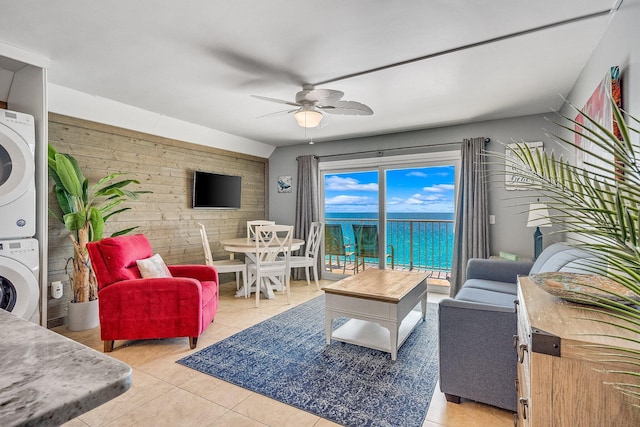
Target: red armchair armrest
(203,273)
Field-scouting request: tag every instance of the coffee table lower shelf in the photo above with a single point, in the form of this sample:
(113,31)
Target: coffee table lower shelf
(372,335)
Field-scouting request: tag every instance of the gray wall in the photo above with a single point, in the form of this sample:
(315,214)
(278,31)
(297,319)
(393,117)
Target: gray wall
(618,46)
(508,234)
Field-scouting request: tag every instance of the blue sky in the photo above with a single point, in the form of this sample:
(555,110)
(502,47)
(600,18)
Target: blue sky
(408,190)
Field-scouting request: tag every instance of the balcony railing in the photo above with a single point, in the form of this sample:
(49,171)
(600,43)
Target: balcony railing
(419,244)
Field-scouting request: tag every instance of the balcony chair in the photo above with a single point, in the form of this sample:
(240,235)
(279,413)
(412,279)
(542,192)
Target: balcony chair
(273,252)
(334,244)
(179,301)
(366,244)
(230,265)
(310,259)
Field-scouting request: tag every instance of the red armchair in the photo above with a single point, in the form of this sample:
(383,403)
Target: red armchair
(132,307)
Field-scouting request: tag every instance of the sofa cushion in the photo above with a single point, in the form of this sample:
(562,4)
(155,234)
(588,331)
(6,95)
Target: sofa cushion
(492,285)
(484,296)
(499,270)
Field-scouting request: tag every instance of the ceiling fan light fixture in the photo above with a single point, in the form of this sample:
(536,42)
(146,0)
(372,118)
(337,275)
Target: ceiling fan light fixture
(308,118)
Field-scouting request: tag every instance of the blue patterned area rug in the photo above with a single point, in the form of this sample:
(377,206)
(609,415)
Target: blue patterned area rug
(286,358)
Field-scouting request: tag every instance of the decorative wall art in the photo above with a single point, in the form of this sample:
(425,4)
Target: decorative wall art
(598,107)
(512,179)
(284,184)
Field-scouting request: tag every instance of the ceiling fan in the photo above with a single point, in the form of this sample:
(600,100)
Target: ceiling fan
(311,104)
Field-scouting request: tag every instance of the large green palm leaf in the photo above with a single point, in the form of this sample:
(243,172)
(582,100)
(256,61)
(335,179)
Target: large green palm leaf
(81,205)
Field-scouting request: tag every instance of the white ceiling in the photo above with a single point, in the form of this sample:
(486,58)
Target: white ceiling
(200,60)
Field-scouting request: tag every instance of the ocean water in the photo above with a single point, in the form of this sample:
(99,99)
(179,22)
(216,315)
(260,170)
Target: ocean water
(421,240)
(392,215)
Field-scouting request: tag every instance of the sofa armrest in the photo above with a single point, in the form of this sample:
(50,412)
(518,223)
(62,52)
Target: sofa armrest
(477,358)
(499,270)
(203,273)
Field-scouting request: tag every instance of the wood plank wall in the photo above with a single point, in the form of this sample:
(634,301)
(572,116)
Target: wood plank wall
(164,166)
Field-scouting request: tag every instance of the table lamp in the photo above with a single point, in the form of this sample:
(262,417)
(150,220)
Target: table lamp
(538,217)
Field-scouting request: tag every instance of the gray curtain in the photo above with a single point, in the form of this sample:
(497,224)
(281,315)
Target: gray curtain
(307,204)
(472,212)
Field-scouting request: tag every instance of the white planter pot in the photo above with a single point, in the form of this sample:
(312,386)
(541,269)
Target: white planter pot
(83,315)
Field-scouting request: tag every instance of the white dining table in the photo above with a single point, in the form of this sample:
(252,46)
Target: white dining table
(247,246)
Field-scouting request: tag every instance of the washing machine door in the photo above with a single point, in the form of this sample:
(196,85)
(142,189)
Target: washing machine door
(19,291)
(16,165)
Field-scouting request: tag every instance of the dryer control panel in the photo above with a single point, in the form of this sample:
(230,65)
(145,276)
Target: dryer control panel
(21,123)
(23,250)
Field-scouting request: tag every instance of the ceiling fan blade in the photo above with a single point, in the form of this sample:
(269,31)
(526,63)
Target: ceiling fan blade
(256,66)
(319,96)
(326,120)
(348,108)
(277,113)
(279,101)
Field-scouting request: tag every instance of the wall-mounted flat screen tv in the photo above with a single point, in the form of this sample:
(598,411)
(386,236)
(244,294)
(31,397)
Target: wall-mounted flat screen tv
(216,191)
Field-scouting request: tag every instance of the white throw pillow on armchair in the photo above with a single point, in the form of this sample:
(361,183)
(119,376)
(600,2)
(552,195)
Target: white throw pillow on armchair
(153,267)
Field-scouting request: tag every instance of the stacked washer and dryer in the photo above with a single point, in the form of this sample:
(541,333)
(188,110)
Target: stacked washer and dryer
(19,255)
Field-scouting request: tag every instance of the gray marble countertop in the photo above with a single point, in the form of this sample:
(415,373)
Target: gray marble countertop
(47,379)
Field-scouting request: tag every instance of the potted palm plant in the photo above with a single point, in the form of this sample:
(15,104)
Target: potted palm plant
(598,203)
(84,211)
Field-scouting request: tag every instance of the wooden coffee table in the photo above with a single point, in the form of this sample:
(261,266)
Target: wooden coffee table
(380,306)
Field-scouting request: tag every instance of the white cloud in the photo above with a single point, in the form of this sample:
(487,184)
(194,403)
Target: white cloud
(417,173)
(439,188)
(427,198)
(414,201)
(338,183)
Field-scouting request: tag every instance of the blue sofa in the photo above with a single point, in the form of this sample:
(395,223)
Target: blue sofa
(477,358)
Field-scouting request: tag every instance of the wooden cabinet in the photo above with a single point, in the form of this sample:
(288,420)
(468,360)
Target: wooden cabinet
(561,379)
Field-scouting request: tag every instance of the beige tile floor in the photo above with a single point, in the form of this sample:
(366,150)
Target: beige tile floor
(165,393)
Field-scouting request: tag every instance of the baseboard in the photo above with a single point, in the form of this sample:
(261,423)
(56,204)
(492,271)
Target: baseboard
(54,323)
(438,289)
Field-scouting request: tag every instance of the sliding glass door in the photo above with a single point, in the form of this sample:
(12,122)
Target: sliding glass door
(420,205)
(350,198)
(408,203)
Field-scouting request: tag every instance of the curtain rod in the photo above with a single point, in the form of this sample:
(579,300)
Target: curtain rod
(384,150)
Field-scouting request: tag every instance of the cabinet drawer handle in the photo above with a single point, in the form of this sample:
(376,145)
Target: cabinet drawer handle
(515,420)
(524,402)
(516,339)
(522,349)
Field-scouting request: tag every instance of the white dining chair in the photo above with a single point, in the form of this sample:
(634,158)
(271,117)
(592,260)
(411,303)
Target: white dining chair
(310,258)
(251,232)
(251,226)
(273,252)
(230,265)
